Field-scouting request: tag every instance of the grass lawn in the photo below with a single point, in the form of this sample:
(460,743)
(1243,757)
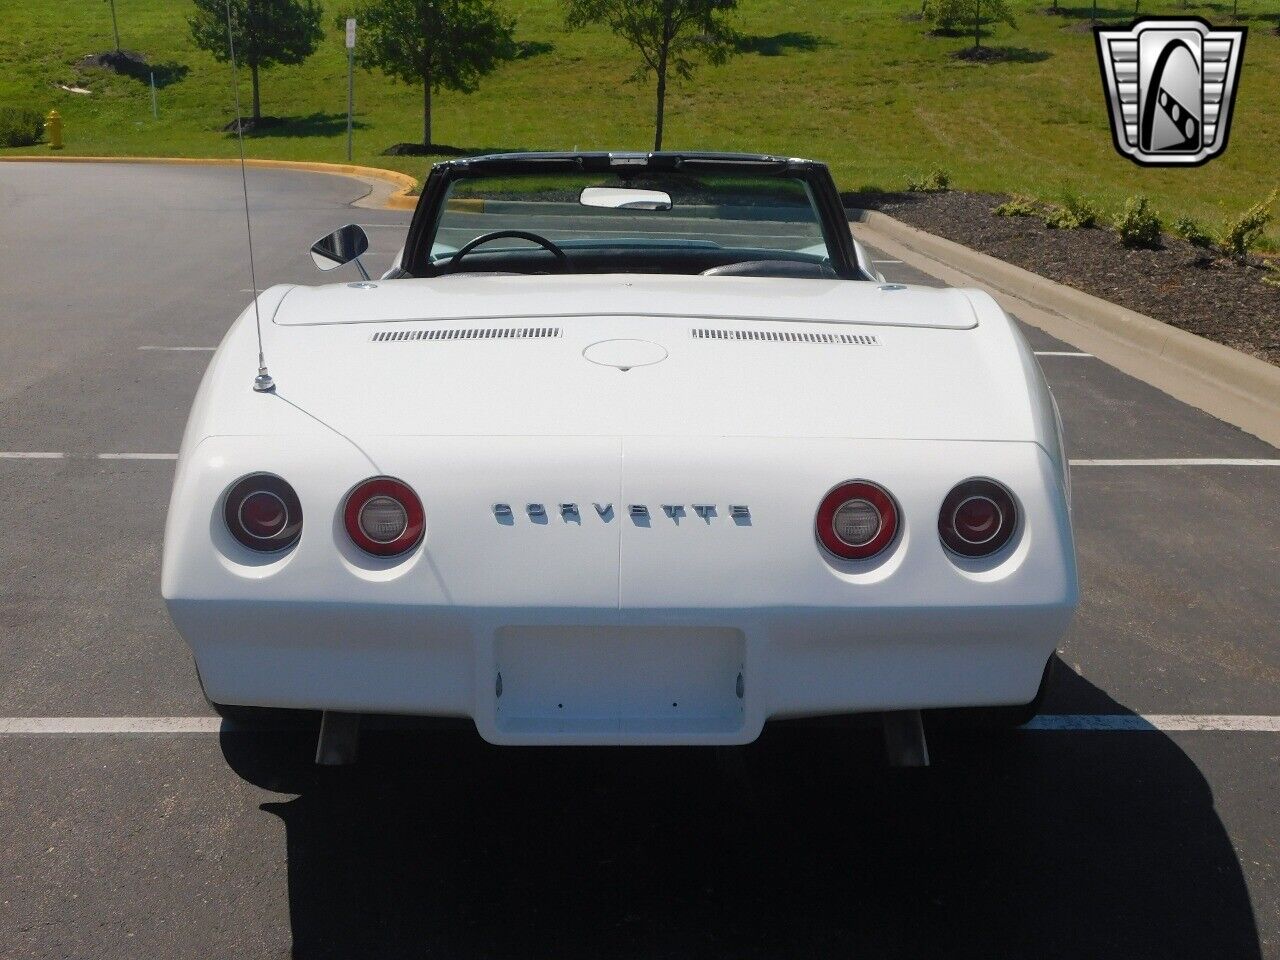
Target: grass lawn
(859,85)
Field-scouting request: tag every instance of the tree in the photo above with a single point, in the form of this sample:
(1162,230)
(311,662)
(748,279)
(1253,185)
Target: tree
(266,32)
(947,14)
(992,10)
(668,35)
(441,44)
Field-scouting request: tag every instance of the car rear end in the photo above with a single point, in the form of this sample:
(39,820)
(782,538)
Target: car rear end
(625,589)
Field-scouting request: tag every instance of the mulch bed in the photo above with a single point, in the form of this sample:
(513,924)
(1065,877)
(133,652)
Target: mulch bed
(1197,290)
(249,125)
(128,62)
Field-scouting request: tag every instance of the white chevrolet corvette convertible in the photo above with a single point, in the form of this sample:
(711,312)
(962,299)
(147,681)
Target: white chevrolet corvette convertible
(624,449)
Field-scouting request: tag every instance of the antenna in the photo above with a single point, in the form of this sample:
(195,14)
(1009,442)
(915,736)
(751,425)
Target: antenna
(262,382)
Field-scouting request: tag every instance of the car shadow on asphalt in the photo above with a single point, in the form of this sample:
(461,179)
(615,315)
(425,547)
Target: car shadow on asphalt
(804,844)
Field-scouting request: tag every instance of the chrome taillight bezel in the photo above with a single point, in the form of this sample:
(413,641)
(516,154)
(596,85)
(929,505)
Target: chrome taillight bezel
(268,483)
(395,489)
(850,490)
(983,488)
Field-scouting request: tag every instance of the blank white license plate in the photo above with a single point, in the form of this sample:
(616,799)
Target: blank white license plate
(601,678)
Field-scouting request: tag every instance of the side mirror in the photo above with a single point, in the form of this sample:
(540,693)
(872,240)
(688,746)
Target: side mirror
(345,245)
(624,198)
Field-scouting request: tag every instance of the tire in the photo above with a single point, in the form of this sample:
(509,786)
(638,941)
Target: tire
(1001,718)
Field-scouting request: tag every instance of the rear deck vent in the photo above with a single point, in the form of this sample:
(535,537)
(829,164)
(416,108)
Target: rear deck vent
(468,333)
(785,336)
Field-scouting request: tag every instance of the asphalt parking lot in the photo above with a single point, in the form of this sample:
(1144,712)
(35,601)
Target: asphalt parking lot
(1054,842)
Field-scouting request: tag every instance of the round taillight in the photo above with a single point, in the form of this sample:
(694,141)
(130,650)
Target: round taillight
(263,513)
(857,520)
(977,518)
(384,517)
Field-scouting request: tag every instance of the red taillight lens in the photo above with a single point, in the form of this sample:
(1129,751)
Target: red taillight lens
(857,520)
(384,517)
(263,513)
(977,518)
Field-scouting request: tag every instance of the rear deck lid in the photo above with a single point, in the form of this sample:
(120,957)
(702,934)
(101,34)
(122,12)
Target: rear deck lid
(476,297)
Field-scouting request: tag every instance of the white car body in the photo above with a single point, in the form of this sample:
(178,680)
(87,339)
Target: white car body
(608,627)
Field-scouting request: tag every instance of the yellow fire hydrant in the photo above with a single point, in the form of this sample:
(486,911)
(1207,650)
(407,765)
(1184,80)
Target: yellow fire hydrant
(53,127)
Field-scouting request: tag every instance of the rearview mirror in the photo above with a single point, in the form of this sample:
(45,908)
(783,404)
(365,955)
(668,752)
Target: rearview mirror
(344,245)
(625,198)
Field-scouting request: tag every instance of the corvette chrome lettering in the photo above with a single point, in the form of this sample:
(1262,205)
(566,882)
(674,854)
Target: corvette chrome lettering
(639,512)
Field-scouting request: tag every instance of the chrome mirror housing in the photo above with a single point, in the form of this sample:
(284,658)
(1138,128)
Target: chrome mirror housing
(345,245)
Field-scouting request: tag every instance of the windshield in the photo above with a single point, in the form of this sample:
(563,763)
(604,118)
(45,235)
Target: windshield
(651,222)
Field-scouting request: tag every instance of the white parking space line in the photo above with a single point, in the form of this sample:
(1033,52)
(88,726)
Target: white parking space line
(1069,722)
(35,455)
(886,261)
(98,725)
(1061,353)
(137,456)
(182,349)
(1147,723)
(1179,462)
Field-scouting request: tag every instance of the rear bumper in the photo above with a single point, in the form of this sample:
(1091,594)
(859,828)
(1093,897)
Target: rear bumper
(611,628)
(711,678)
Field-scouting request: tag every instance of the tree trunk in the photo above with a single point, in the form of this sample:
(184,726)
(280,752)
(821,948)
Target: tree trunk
(1094,18)
(115,27)
(662,103)
(426,109)
(257,102)
(663,51)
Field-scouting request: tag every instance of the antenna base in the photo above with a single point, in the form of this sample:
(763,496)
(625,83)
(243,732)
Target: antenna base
(263,383)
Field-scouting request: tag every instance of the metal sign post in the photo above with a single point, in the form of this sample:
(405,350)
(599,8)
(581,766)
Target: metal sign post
(351,58)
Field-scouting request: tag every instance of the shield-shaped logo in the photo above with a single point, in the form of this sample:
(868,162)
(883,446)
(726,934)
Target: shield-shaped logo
(1170,85)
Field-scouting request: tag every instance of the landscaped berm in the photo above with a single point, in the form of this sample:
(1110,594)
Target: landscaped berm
(869,87)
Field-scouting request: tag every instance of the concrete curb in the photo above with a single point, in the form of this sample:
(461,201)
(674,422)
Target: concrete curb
(390,189)
(1231,385)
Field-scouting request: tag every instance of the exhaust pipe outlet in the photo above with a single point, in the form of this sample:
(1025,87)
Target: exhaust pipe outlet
(904,741)
(339,740)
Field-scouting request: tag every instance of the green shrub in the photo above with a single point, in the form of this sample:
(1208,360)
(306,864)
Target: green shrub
(935,181)
(946,15)
(1241,235)
(1191,231)
(20,126)
(1138,225)
(1017,206)
(1075,213)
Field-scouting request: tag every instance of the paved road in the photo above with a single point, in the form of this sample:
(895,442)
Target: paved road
(1038,844)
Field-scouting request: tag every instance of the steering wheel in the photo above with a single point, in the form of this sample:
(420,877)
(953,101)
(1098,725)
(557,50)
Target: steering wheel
(561,259)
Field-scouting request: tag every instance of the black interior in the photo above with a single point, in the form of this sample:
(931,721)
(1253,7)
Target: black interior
(687,260)
(455,262)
